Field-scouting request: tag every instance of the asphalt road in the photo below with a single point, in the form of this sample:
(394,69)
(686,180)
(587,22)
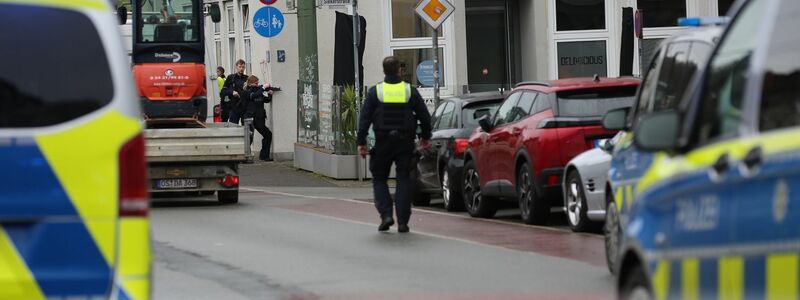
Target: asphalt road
(301,236)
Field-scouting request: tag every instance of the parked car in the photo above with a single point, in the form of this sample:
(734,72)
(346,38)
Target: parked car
(73,189)
(439,171)
(665,83)
(717,213)
(519,154)
(584,186)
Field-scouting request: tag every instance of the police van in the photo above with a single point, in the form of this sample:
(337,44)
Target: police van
(73,187)
(717,213)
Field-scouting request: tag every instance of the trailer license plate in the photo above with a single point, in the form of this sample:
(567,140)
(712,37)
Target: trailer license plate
(176,183)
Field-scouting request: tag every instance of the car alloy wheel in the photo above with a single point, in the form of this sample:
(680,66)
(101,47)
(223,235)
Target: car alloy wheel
(574,202)
(525,194)
(446,189)
(472,191)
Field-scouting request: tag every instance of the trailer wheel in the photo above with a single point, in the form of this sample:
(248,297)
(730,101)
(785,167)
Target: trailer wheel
(228,197)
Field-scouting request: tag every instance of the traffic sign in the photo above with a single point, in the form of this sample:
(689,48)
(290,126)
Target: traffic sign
(434,12)
(268,21)
(269,2)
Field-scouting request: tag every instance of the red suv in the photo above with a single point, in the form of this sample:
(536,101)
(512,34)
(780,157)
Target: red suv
(520,153)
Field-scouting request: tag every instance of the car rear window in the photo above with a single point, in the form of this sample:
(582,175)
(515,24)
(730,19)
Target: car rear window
(482,108)
(54,67)
(594,103)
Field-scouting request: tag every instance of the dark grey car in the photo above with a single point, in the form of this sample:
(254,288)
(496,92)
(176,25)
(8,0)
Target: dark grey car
(438,170)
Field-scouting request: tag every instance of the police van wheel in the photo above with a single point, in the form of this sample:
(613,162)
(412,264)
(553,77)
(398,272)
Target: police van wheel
(611,233)
(636,286)
(228,197)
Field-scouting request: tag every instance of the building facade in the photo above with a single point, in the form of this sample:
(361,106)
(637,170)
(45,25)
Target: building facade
(484,45)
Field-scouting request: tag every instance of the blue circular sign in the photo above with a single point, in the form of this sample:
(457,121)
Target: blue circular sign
(268,21)
(425,73)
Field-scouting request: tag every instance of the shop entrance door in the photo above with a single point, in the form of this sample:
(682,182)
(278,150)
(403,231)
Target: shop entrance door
(490,44)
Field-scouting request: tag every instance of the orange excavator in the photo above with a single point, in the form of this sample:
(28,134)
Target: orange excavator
(168,54)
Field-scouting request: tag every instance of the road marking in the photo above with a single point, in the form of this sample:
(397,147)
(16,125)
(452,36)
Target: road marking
(424,211)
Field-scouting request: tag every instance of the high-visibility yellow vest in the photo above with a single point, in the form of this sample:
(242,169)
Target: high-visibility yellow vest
(394,92)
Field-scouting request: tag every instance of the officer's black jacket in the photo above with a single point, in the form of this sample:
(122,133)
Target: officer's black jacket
(254,99)
(234,82)
(368,110)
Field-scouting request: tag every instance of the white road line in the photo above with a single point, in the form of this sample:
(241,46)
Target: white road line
(422,211)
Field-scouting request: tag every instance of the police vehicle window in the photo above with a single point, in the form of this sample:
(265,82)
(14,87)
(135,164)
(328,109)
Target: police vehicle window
(52,74)
(721,102)
(780,95)
(647,88)
(447,117)
(167,21)
(437,115)
(523,107)
(504,112)
(473,112)
(671,77)
(594,103)
(541,104)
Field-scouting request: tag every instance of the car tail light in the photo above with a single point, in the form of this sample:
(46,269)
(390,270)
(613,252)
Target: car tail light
(552,180)
(133,197)
(229,181)
(461,146)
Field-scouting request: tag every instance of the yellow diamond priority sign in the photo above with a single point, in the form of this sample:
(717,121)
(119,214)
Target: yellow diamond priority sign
(434,11)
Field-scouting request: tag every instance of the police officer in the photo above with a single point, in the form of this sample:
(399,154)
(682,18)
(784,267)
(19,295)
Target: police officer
(233,87)
(254,99)
(225,102)
(393,108)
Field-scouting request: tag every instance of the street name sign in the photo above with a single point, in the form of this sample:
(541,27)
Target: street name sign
(336,3)
(268,21)
(434,12)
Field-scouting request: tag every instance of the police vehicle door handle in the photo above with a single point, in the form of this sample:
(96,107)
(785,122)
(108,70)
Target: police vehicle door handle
(753,159)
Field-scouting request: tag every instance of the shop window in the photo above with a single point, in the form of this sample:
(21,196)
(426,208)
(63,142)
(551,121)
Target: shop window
(582,59)
(406,23)
(417,65)
(649,48)
(580,15)
(661,13)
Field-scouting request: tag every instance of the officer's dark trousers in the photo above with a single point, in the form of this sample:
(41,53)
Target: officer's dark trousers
(226,111)
(387,151)
(260,124)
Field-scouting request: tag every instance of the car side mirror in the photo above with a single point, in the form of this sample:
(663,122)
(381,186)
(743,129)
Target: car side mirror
(615,119)
(658,131)
(480,113)
(122,15)
(485,124)
(213,11)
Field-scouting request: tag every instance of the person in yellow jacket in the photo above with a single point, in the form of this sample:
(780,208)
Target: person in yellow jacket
(393,109)
(225,102)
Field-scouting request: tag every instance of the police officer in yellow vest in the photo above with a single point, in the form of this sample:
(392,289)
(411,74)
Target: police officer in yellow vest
(393,108)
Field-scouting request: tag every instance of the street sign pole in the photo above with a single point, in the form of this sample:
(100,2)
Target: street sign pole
(436,67)
(357,85)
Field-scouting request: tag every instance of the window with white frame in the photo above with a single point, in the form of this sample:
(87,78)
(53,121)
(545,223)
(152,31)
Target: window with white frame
(232,53)
(580,15)
(580,38)
(410,41)
(218,53)
(661,13)
(231,19)
(245,17)
(248,64)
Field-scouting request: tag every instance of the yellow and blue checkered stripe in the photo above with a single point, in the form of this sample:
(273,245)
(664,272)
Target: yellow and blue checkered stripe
(770,277)
(59,209)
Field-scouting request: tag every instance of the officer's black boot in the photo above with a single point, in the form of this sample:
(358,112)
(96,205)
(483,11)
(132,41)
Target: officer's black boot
(402,228)
(386,223)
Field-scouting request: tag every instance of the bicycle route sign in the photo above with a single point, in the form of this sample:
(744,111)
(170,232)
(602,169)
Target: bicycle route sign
(268,21)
